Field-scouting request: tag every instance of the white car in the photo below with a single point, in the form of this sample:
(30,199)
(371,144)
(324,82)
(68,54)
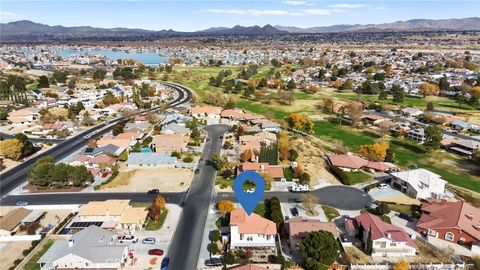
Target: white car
(299,188)
(128,239)
(383,186)
(252,190)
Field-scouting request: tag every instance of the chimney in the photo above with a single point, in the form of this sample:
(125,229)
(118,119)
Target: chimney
(70,243)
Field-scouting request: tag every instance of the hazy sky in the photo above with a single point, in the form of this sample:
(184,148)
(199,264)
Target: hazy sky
(189,15)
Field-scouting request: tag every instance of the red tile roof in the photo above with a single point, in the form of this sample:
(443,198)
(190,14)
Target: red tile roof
(444,215)
(249,267)
(305,225)
(253,224)
(276,171)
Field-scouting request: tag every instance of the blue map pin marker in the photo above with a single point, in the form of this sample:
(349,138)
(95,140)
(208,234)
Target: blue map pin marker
(249,200)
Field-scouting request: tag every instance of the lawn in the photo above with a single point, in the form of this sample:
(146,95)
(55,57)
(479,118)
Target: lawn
(330,212)
(358,177)
(350,137)
(32,263)
(156,225)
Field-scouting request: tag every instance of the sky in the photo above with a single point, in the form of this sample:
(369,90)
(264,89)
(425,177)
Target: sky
(193,15)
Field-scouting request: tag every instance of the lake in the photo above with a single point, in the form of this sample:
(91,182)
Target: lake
(147,58)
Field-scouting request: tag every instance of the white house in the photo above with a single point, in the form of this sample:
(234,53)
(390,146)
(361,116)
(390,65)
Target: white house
(387,240)
(251,231)
(419,183)
(91,248)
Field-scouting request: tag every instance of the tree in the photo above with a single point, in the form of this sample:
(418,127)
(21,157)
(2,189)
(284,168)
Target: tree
(309,201)
(379,76)
(401,265)
(99,74)
(444,84)
(246,155)
(398,93)
(71,84)
(355,111)
(430,106)
(229,258)
(117,129)
(433,137)
(389,156)
(60,76)
(11,148)
(384,128)
(154,212)
(293,155)
(383,95)
(160,202)
(225,206)
(87,120)
(319,250)
(283,145)
(369,243)
(43,82)
(300,122)
(215,236)
(382,208)
(221,162)
(328,105)
(428,89)
(375,152)
(28,148)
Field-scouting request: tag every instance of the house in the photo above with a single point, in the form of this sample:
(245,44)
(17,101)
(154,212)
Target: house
(11,221)
(110,214)
(349,162)
(24,116)
(209,113)
(169,143)
(387,240)
(298,227)
(174,128)
(417,135)
(409,111)
(253,143)
(456,222)
(464,147)
(252,232)
(90,248)
(419,183)
(460,125)
(233,116)
(248,267)
(121,143)
(108,149)
(95,162)
(275,171)
(136,127)
(150,159)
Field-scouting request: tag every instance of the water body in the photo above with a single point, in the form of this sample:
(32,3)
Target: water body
(147,58)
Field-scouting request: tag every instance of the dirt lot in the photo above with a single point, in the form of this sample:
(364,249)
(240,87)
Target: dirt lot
(141,180)
(310,159)
(12,251)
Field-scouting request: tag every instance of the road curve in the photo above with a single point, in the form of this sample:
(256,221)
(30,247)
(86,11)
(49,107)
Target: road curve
(11,179)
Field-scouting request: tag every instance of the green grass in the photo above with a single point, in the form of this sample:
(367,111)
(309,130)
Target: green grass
(260,209)
(333,131)
(259,108)
(358,177)
(330,212)
(32,263)
(156,225)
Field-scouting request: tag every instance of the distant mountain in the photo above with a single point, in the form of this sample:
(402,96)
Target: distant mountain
(245,30)
(36,32)
(411,25)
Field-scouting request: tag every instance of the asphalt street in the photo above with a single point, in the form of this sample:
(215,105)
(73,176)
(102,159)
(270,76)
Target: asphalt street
(187,240)
(13,178)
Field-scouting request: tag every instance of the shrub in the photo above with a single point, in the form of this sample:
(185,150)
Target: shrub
(176,154)
(213,248)
(340,174)
(229,258)
(215,236)
(187,159)
(383,208)
(123,156)
(227,173)
(293,155)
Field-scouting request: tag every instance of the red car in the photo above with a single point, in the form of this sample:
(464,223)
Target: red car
(156,251)
(104,174)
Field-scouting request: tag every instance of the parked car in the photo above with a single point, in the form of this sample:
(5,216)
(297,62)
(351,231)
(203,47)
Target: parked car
(164,265)
(251,190)
(405,216)
(197,171)
(128,239)
(148,240)
(153,191)
(22,203)
(156,251)
(383,186)
(294,211)
(105,174)
(299,188)
(213,262)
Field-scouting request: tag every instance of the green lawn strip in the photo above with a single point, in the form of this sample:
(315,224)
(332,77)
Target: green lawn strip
(32,263)
(456,178)
(350,138)
(157,225)
(358,177)
(259,108)
(330,212)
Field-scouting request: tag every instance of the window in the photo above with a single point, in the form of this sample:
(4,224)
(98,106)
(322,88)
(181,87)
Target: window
(432,233)
(241,236)
(449,236)
(393,244)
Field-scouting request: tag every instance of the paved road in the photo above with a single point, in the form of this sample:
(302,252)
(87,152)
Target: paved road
(187,240)
(11,179)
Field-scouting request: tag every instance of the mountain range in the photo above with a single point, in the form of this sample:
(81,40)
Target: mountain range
(31,31)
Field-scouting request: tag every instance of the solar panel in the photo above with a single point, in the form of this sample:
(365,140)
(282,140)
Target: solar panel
(86,224)
(89,150)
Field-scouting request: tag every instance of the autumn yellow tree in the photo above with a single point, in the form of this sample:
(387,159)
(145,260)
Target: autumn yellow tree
(299,121)
(11,148)
(376,151)
(160,202)
(225,206)
(401,265)
(355,111)
(283,145)
(327,105)
(428,89)
(246,155)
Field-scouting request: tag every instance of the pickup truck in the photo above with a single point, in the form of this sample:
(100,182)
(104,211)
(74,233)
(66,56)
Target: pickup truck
(299,188)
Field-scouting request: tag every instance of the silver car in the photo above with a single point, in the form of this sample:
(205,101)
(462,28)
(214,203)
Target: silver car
(149,240)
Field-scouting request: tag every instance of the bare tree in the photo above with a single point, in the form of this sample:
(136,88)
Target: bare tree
(309,201)
(383,128)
